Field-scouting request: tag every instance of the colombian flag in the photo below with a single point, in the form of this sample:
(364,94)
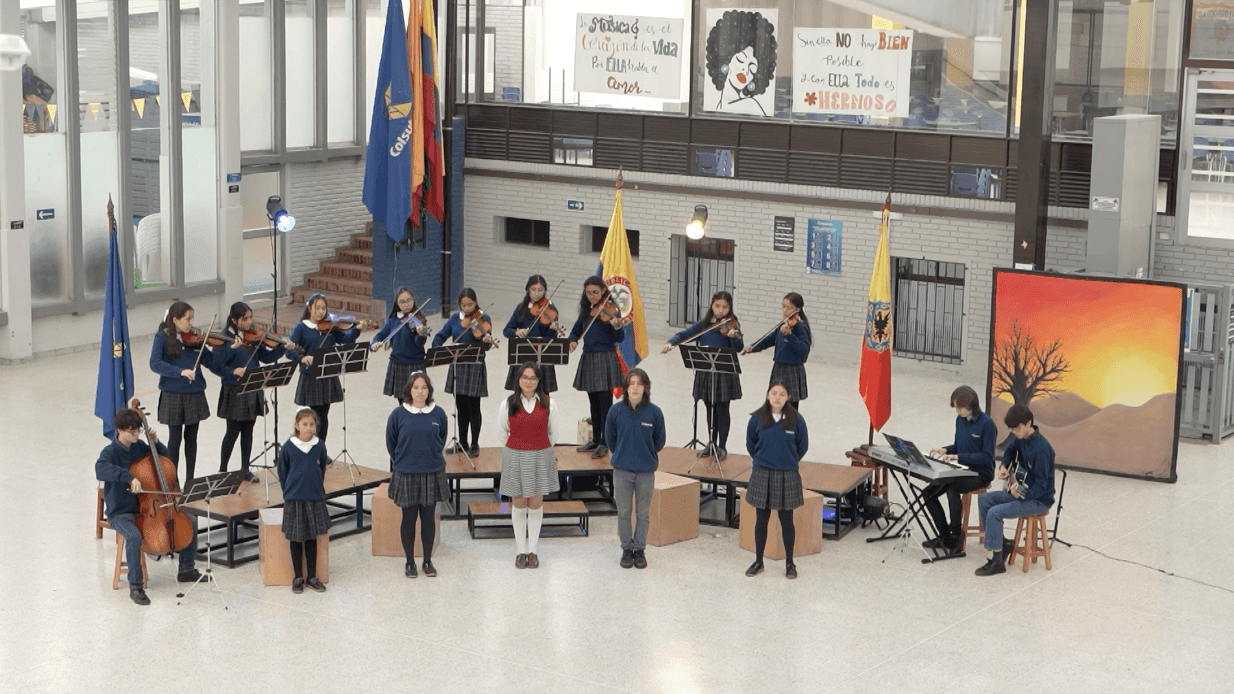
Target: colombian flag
(617,269)
(427,183)
(875,379)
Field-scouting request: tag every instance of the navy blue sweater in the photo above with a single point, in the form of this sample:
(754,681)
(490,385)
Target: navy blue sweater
(974,443)
(227,359)
(1036,457)
(311,339)
(600,337)
(711,339)
(535,327)
(302,474)
(112,468)
(791,349)
(414,441)
(774,448)
(453,329)
(168,368)
(635,438)
(407,347)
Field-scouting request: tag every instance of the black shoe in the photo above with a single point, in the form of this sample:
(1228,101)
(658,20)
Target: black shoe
(137,595)
(474,451)
(755,569)
(993,566)
(429,570)
(721,454)
(252,478)
(410,570)
(703,452)
(316,584)
(790,571)
(599,452)
(589,446)
(627,559)
(297,586)
(640,559)
(935,543)
(190,576)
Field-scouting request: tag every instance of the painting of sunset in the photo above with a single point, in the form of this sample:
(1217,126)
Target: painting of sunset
(1097,361)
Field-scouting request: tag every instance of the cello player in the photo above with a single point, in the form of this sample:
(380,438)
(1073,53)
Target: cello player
(120,492)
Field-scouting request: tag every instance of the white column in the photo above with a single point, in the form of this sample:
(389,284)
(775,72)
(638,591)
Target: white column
(16,337)
(221,22)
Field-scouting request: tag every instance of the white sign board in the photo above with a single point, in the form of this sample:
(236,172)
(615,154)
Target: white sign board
(1101,204)
(628,55)
(857,72)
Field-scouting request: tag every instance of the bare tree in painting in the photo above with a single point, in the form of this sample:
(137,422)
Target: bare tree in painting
(1025,370)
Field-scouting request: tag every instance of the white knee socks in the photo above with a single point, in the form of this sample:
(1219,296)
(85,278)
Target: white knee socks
(519,518)
(535,518)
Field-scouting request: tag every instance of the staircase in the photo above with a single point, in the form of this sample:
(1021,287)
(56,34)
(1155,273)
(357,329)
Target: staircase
(346,282)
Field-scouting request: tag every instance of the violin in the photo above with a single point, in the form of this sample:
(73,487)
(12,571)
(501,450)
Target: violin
(415,319)
(546,313)
(165,528)
(728,327)
(196,337)
(606,310)
(334,322)
(253,338)
(480,328)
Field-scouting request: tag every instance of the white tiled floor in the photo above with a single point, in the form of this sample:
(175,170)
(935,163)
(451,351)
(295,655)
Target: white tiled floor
(692,622)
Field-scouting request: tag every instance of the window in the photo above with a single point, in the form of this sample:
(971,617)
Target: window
(929,309)
(697,270)
(575,151)
(713,161)
(598,234)
(531,232)
(976,182)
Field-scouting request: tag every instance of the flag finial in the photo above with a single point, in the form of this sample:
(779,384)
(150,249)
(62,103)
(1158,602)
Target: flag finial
(888,200)
(620,182)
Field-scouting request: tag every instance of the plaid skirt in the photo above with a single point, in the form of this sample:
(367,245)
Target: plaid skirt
(397,376)
(180,409)
(419,489)
(548,375)
(598,372)
(727,387)
(311,392)
(794,378)
(774,489)
(305,520)
(472,380)
(240,407)
(528,473)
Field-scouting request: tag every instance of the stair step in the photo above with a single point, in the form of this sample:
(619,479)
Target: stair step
(357,256)
(342,304)
(364,241)
(349,271)
(338,285)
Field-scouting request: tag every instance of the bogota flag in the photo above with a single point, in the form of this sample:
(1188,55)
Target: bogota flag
(875,379)
(430,194)
(617,269)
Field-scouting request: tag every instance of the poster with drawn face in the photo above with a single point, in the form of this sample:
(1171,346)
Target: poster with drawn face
(741,62)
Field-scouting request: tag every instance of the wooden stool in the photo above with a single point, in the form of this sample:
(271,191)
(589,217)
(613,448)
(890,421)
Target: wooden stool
(99,521)
(123,566)
(1036,542)
(967,529)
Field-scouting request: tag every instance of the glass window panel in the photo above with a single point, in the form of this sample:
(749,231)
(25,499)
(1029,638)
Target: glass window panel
(97,104)
(258,265)
(152,228)
(256,88)
(340,76)
(191,47)
(374,34)
(1209,194)
(199,173)
(301,115)
(44,149)
(255,189)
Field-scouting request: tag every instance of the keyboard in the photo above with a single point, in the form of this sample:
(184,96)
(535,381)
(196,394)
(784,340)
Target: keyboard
(936,470)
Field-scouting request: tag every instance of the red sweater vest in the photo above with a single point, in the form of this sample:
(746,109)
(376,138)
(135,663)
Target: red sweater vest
(529,430)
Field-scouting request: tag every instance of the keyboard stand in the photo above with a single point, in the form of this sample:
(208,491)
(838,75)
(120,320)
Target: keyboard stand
(903,531)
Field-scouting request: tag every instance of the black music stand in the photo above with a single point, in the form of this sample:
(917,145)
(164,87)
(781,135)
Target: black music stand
(710,360)
(205,489)
(341,360)
(544,352)
(272,376)
(465,353)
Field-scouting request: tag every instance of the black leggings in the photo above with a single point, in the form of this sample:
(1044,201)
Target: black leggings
(307,551)
(469,417)
(187,433)
(719,423)
(761,517)
(428,530)
(323,420)
(601,401)
(244,431)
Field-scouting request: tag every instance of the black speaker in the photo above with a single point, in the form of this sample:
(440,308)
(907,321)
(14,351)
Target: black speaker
(873,508)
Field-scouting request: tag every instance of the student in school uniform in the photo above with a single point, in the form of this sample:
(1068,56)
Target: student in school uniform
(777,439)
(302,470)
(529,428)
(407,344)
(600,328)
(467,382)
(719,328)
(525,323)
(319,393)
(635,434)
(240,410)
(416,433)
(792,340)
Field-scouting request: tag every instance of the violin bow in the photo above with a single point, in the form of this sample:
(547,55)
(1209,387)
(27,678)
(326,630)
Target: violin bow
(479,320)
(204,345)
(405,321)
(717,326)
(608,297)
(561,332)
(777,326)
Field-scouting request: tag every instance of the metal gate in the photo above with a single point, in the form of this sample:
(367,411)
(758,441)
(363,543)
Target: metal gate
(929,309)
(1208,381)
(697,269)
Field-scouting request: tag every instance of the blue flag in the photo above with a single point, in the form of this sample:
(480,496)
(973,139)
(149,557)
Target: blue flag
(388,162)
(115,360)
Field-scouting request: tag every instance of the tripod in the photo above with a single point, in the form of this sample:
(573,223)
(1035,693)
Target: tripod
(272,377)
(206,488)
(339,360)
(466,353)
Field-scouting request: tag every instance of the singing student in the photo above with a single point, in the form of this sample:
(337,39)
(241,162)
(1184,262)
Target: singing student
(468,382)
(777,440)
(416,433)
(240,410)
(182,387)
(526,322)
(975,438)
(792,340)
(302,471)
(635,433)
(719,328)
(601,328)
(407,344)
(528,467)
(315,331)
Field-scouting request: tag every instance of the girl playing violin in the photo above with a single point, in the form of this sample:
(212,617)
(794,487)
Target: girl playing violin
(529,320)
(407,345)
(470,324)
(182,388)
(601,328)
(302,470)
(240,411)
(319,393)
(792,340)
(718,328)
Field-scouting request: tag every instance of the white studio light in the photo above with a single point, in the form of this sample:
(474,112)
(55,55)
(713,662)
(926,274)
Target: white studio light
(698,223)
(13,52)
(278,216)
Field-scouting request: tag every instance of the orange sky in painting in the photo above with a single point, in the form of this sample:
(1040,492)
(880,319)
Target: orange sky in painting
(1121,338)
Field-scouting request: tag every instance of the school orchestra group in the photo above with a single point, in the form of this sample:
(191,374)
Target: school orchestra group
(630,432)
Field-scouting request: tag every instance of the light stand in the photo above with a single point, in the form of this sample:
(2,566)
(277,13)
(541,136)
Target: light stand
(280,221)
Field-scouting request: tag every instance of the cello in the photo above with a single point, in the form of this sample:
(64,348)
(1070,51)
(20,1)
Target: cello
(164,527)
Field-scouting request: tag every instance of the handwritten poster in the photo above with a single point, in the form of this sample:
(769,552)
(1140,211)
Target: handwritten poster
(741,61)
(632,56)
(857,72)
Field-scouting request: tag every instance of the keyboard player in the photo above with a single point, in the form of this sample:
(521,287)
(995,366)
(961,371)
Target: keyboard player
(975,436)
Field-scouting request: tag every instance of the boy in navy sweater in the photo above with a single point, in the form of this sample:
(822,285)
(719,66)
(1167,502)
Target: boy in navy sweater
(1028,467)
(634,432)
(975,437)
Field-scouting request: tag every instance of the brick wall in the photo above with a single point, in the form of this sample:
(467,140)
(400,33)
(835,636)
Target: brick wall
(1195,264)
(325,199)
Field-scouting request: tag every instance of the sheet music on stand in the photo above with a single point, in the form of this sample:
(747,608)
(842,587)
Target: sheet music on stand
(205,489)
(464,353)
(339,359)
(712,361)
(271,376)
(550,352)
